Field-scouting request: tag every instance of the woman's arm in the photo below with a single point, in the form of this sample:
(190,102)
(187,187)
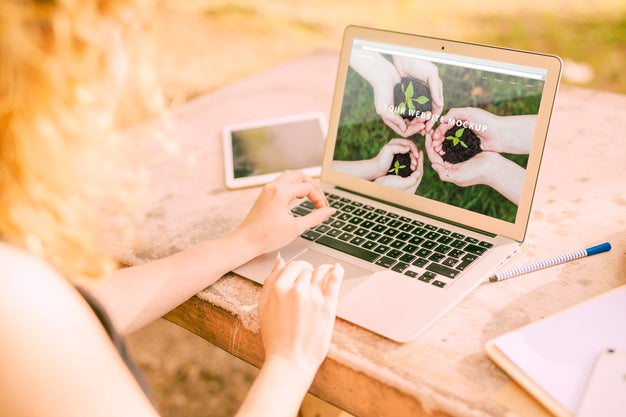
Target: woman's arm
(138,295)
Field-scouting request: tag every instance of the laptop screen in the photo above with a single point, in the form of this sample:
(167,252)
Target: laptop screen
(443,126)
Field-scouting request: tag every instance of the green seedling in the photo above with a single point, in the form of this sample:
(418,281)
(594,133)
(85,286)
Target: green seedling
(456,139)
(408,92)
(397,167)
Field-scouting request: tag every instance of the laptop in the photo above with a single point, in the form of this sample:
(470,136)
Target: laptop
(415,243)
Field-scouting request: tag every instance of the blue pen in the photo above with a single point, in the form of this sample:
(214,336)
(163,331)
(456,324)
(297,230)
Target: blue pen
(604,247)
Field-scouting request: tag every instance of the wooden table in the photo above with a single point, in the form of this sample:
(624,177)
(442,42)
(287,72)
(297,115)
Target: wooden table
(580,200)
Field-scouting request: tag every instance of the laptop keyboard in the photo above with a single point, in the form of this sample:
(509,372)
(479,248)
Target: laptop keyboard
(421,251)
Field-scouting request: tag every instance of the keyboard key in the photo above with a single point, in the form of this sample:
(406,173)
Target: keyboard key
(407,227)
(334,232)
(397,244)
(431,236)
(307,204)
(360,231)
(322,228)
(400,267)
(348,228)
(344,216)
(348,209)
(383,220)
(442,249)
(424,253)
(385,262)
(449,262)
(358,241)
(436,257)
(345,200)
(371,215)
(429,244)
(395,223)
(427,276)
(438,283)
(405,219)
(381,249)
(300,211)
(410,273)
(471,240)
(391,232)
(337,204)
(393,215)
(417,223)
(469,257)
(345,237)
(356,220)
(442,270)
(368,207)
(458,236)
(463,265)
(359,212)
(416,240)
(420,262)
(486,244)
(408,258)
(455,253)
(410,248)
(381,211)
(384,240)
(444,231)
(338,224)
(476,250)
(367,224)
(369,244)
(445,239)
(342,246)
(394,253)
(311,235)
(459,244)
(372,236)
(379,228)
(430,227)
(403,236)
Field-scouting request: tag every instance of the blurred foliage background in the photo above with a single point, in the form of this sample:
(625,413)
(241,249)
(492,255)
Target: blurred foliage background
(205,44)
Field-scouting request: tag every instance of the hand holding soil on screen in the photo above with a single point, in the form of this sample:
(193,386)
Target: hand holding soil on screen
(428,75)
(486,168)
(502,134)
(399,159)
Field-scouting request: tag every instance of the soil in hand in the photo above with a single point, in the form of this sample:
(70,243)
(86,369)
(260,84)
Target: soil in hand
(412,98)
(460,145)
(401,165)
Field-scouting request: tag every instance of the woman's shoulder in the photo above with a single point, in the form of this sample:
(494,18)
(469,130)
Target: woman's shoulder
(28,280)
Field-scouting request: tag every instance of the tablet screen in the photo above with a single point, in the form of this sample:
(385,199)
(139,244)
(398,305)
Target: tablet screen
(257,152)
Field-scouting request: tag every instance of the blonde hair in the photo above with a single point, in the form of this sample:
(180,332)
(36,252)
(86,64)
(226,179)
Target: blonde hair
(57,74)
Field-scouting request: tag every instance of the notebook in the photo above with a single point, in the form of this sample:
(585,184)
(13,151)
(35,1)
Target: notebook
(554,357)
(440,224)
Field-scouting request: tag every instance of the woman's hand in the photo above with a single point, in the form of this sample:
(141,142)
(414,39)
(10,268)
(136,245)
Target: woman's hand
(297,313)
(270,224)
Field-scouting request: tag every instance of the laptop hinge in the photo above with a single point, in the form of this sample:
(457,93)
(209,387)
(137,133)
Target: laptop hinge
(412,210)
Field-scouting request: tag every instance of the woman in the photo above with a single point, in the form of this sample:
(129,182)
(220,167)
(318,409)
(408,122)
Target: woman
(63,304)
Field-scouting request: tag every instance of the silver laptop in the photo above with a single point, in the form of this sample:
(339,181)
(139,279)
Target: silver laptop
(424,216)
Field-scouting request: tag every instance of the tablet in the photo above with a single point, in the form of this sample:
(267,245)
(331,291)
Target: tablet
(257,152)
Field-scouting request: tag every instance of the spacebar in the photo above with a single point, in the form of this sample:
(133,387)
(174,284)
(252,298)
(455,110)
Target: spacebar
(347,248)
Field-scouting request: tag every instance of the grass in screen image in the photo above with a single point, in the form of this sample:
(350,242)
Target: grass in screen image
(362,133)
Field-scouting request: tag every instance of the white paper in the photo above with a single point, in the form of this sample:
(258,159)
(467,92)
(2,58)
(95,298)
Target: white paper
(558,353)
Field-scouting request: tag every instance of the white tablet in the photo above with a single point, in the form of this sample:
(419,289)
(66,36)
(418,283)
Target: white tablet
(257,152)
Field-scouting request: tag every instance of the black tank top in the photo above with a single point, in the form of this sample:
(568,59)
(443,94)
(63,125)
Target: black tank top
(117,340)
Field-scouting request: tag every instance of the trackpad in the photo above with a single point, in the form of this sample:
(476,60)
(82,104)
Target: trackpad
(353,274)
